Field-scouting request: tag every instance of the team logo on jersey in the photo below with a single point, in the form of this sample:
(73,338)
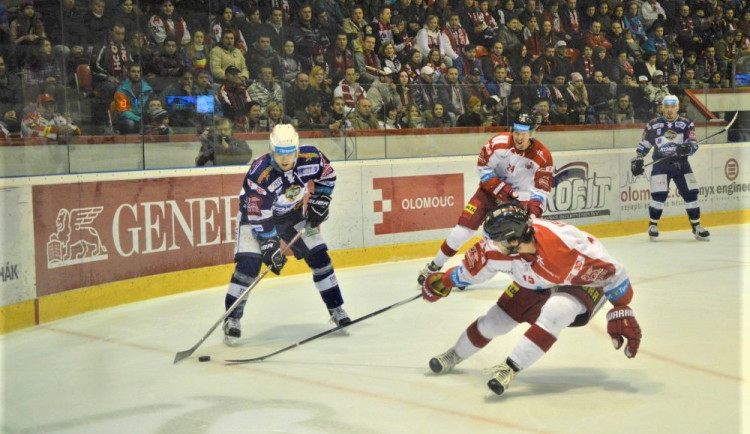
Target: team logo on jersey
(308,156)
(670,135)
(307,169)
(680,124)
(265,174)
(75,240)
(292,192)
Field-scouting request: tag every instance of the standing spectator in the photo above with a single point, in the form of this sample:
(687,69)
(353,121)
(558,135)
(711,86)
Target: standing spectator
(126,15)
(166,23)
(350,89)
(265,89)
(63,27)
(129,101)
(362,118)
(233,98)
(305,35)
(26,29)
(46,122)
(224,23)
(224,55)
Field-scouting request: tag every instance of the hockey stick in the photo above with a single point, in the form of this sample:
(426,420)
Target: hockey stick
(723,130)
(185,354)
(327,332)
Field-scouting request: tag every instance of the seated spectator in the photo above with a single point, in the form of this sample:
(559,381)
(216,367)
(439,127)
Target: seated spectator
(129,99)
(111,63)
(165,66)
(511,111)
(265,89)
(46,122)
(656,89)
(604,63)
(339,57)
(494,59)
(224,55)
(337,121)
(290,65)
(559,114)
(224,23)
(412,117)
(274,115)
(457,36)
(472,117)
(467,63)
(11,102)
(472,86)
(621,67)
(388,57)
(255,121)
(26,30)
(383,92)
(63,27)
(656,41)
(594,37)
(392,119)
(451,94)
(492,112)
(94,26)
(542,113)
(367,61)
(234,99)
(202,82)
(126,15)
(250,24)
(313,117)
(182,114)
(304,34)
(167,23)
(430,37)
(404,89)
(158,123)
(140,51)
(262,54)
(362,118)
(576,91)
(297,96)
(585,62)
(320,85)
(350,89)
(219,148)
(622,111)
(42,69)
(195,55)
(437,117)
(499,85)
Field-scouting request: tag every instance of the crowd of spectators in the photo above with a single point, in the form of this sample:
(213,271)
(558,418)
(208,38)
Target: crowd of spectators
(161,66)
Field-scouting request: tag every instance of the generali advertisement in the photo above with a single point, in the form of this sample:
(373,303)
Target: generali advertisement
(95,232)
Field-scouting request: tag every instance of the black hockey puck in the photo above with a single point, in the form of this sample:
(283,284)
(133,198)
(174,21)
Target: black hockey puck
(204,358)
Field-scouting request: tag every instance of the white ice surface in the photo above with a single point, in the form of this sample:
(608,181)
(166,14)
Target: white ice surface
(111,371)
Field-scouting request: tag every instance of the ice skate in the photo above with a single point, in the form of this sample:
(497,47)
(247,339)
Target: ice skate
(653,232)
(502,375)
(339,316)
(700,233)
(429,268)
(232,330)
(445,362)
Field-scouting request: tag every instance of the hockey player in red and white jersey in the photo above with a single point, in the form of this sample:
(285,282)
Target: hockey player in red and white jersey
(511,166)
(44,122)
(562,277)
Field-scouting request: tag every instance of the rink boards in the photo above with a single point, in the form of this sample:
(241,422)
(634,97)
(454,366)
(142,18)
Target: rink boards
(75,243)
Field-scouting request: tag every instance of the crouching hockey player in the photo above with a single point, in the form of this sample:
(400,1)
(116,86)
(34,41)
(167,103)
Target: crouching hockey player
(271,209)
(562,277)
(673,139)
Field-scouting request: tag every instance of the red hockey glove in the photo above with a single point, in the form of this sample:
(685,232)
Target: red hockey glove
(433,288)
(534,207)
(621,325)
(500,189)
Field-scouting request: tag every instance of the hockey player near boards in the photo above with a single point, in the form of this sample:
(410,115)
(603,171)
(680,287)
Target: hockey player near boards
(511,166)
(271,209)
(562,277)
(672,138)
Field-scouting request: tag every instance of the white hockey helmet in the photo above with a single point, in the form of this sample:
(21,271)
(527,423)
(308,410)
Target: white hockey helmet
(284,140)
(670,100)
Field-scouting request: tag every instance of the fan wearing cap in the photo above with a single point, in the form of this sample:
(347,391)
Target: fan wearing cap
(271,209)
(45,122)
(672,138)
(512,167)
(562,277)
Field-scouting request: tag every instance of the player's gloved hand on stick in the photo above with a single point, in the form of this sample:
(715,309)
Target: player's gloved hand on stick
(270,248)
(686,149)
(317,209)
(621,325)
(433,288)
(502,191)
(636,166)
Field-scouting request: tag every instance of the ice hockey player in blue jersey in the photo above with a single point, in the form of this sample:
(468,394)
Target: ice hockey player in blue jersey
(271,210)
(672,138)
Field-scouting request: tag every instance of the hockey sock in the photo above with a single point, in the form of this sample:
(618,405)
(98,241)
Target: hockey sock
(532,346)
(458,236)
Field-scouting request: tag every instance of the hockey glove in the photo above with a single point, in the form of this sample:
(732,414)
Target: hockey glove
(317,209)
(534,207)
(270,248)
(433,288)
(636,166)
(621,325)
(502,191)
(686,149)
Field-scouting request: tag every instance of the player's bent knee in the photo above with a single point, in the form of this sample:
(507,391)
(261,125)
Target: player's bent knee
(246,270)
(660,196)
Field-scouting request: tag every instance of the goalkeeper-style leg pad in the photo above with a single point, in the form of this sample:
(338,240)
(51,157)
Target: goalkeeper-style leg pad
(445,362)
